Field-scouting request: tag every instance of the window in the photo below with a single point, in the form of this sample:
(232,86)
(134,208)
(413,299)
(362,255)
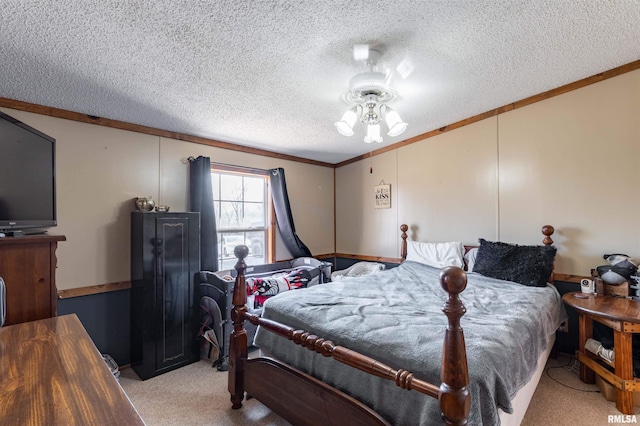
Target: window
(242,206)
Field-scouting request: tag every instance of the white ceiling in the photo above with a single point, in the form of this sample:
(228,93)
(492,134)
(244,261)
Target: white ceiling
(271,74)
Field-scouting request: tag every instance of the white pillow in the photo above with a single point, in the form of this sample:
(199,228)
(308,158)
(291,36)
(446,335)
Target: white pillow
(470,257)
(437,255)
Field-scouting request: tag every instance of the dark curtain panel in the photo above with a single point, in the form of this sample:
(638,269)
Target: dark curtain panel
(201,200)
(284,216)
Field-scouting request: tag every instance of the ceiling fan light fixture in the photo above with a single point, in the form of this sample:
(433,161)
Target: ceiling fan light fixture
(394,122)
(373,134)
(345,125)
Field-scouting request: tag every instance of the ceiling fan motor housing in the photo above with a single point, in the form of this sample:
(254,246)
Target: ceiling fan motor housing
(370,83)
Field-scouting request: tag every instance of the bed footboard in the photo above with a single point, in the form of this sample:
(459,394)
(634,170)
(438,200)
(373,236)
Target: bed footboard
(275,383)
(301,399)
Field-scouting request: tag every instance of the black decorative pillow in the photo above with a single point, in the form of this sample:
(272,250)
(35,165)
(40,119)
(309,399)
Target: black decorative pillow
(528,265)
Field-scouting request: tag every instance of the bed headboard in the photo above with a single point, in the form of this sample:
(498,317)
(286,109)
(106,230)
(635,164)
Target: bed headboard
(547,231)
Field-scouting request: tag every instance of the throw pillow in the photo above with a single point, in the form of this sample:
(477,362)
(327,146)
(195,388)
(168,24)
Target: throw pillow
(437,255)
(528,265)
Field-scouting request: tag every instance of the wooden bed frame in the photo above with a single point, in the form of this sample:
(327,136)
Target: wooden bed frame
(273,382)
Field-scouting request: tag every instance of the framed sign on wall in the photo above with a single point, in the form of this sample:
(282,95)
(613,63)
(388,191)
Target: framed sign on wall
(382,196)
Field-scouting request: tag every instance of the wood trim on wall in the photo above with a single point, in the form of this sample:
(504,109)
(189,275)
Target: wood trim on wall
(122,125)
(569,278)
(324,256)
(125,285)
(91,119)
(94,289)
(369,258)
(515,105)
(557,276)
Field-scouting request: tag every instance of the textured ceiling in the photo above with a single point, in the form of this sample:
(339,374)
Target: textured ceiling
(271,74)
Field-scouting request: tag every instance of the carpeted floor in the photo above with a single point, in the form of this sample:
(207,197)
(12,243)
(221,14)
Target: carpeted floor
(561,399)
(197,395)
(193,395)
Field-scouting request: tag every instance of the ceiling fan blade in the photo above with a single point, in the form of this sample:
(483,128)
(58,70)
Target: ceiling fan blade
(405,68)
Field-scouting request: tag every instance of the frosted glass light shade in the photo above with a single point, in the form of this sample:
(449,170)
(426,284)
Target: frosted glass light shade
(345,125)
(373,134)
(395,123)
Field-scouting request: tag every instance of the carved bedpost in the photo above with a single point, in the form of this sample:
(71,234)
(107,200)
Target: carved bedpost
(455,401)
(547,231)
(403,246)
(238,343)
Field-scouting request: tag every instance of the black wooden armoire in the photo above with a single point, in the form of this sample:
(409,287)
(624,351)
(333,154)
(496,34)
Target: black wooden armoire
(165,255)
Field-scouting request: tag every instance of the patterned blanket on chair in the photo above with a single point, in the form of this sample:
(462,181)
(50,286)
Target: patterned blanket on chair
(263,288)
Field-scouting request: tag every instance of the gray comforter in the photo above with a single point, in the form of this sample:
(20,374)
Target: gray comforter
(395,316)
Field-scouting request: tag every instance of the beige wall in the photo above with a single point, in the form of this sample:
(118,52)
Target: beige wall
(448,185)
(570,161)
(360,227)
(100,170)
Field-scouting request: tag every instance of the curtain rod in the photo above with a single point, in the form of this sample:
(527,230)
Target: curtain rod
(213,163)
(230,166)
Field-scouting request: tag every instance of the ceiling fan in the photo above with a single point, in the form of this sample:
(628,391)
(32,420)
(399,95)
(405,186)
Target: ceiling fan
(370,91)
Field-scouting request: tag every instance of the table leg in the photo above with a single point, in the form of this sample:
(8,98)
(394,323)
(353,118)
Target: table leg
(624,369)
(586,331)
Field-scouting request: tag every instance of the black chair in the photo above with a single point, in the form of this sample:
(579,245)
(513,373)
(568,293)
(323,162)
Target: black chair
(211,284)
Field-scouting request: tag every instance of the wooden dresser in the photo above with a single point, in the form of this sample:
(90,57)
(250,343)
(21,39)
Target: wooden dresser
(28,267)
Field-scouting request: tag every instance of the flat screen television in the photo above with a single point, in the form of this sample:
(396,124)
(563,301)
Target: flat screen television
(27,178)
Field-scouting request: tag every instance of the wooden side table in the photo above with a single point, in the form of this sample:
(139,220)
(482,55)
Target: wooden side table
(623,316)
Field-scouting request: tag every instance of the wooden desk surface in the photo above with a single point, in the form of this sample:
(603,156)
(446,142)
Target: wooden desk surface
(52,374)
(613,308)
